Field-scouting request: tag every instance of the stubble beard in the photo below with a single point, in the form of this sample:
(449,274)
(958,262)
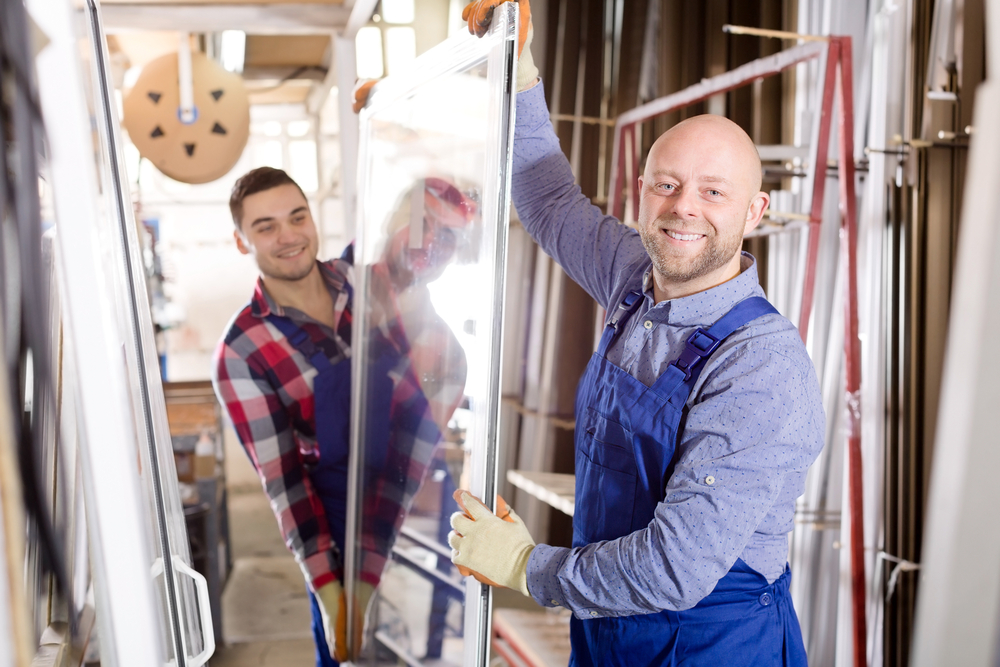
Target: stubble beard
(717,253)
(289,276)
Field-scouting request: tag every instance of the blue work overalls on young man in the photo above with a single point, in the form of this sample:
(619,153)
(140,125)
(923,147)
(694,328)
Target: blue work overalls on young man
(328,473)
(332,409)
(626,437)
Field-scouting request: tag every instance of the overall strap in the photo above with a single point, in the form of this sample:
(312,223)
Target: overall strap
(700,345)
(300,341)
(625,310)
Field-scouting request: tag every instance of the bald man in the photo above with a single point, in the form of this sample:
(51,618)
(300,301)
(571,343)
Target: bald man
(696,420)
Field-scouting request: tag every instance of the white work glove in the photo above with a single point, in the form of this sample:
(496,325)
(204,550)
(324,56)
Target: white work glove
(330,597)
(494,548)
(527,73)
(333,608)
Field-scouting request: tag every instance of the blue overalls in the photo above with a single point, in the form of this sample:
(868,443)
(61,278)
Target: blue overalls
(332,401)
(386,422)
(626,435)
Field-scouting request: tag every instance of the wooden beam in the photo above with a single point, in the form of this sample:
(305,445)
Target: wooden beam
(302,18)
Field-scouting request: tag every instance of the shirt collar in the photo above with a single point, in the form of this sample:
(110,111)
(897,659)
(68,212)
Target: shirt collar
(705,308)
(333,272)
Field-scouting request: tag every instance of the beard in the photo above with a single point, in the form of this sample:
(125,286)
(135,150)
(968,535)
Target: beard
(718,251)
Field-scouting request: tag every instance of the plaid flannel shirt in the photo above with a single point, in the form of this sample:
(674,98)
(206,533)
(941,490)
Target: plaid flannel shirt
(266,386)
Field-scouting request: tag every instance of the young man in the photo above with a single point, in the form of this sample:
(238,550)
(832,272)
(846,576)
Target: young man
(697,417)
(283,372)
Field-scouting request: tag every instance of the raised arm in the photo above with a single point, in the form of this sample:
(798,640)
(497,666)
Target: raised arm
(592,248)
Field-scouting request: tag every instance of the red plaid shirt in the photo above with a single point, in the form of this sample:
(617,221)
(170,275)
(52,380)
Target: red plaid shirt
(266,386)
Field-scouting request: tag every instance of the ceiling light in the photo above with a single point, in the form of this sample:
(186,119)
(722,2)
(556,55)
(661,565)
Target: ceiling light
(368,51)
(397,11)
(233,50)
(400,48)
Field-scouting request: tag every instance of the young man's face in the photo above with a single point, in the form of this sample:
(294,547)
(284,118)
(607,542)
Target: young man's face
(278,230)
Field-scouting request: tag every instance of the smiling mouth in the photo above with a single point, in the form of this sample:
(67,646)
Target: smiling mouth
(289,254)
(683,237)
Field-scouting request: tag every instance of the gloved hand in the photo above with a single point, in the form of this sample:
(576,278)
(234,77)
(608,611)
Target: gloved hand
(479,15)
(330,598)
(362,594)
(333,608)
(494,548)
(503,511)
(360,93)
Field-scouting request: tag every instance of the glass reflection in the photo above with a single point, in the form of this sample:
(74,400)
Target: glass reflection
(416,367)
(435,145)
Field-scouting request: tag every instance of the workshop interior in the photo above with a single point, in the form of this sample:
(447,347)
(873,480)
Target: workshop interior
(134,529)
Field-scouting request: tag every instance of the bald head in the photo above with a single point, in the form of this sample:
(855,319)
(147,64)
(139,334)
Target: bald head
(720,141)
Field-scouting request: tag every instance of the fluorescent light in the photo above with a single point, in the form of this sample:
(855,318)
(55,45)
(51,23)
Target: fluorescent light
(368,50)
(400,48)
(397,11)
(234,49)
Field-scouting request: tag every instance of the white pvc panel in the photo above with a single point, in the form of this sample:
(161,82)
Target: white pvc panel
(149,613)
(434,157)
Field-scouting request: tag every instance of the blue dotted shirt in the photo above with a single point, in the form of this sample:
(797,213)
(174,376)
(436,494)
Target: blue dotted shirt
(755,417)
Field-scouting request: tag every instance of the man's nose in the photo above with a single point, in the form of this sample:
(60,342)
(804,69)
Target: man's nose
(684,204)
(288,234)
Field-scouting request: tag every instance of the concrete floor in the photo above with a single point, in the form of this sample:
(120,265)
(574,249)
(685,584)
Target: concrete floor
(265,610)
(266,620)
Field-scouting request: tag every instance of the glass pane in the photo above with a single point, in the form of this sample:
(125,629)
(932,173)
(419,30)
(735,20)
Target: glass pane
(433,205)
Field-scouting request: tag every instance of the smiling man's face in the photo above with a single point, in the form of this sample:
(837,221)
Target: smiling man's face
(278,230)
(699,195)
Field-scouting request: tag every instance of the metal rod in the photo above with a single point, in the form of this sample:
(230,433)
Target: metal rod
(185,79)
(588,120)
(777,34)
(454,589)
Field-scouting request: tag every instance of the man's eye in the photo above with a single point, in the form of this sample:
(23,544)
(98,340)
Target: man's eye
(667,186)
(714,193)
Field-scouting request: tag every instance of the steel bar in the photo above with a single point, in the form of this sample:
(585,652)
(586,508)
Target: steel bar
(776,34)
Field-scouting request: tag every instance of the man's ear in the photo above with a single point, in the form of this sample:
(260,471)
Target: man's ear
(755,212)
(241,244)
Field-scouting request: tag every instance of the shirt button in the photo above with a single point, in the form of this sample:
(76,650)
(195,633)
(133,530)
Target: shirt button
(710,480)
(766,599)
(648,324)
(593,613)
(553,601)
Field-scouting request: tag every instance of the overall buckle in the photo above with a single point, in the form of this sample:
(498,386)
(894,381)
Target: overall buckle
(698,346)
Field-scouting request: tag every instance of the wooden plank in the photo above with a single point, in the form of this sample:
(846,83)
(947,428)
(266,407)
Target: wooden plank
(540,638)
(278,50)
(555,489)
